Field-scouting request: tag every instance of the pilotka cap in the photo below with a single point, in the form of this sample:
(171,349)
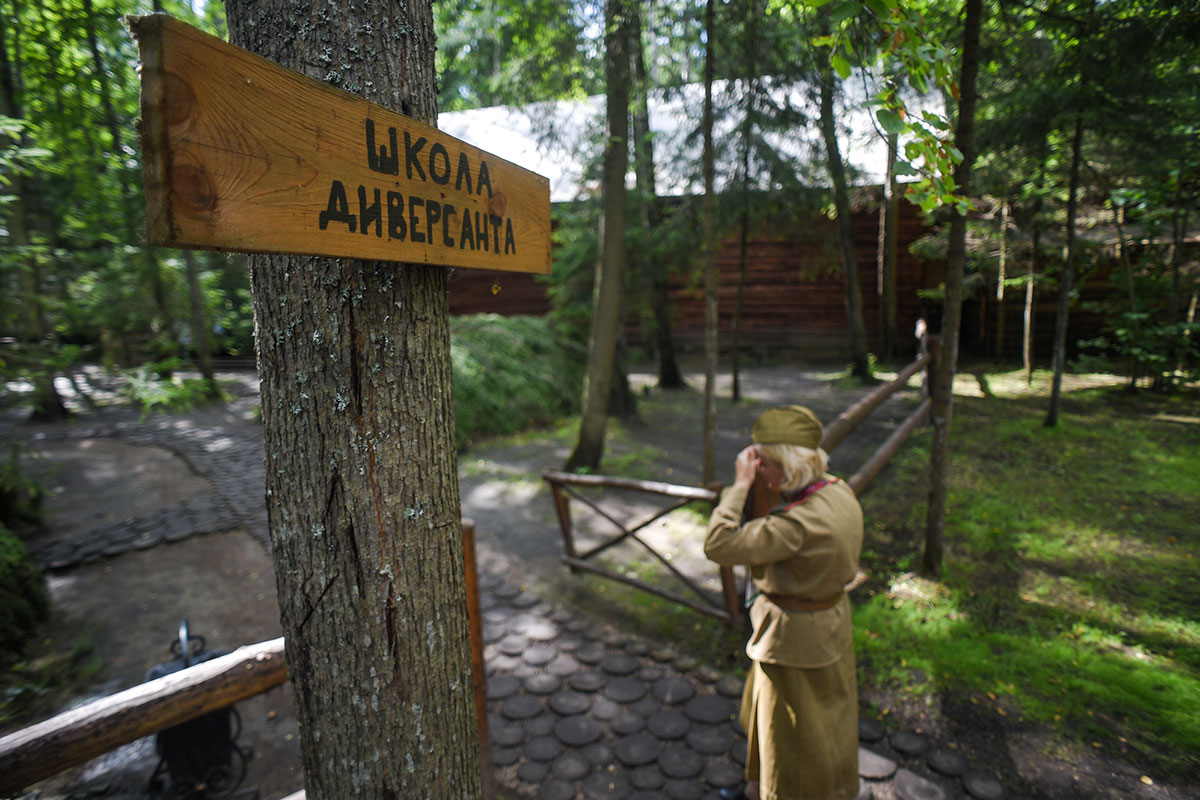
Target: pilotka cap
(789,425)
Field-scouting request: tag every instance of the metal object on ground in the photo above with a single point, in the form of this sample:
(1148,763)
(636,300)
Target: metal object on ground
(199,759)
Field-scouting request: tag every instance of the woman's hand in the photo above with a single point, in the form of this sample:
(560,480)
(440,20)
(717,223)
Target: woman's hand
(745,468)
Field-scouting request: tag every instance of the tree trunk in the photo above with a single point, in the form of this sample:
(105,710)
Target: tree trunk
(943,387)
(47,404)
(1001,276)
(750,45)
(669,376)
(860,367)
(1034,261)
(1066,281)
(606,305)
(710,261)
(200,338)
(889,226)
(362,484)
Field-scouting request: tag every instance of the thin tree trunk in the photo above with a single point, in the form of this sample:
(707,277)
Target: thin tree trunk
(1066,281)
(669,376)
(710,261)
(200,338)
(1034,261)
(362,481)
(889,226)
(750,44)
(1001,276)
(943,388)
(602,342)
(841,198)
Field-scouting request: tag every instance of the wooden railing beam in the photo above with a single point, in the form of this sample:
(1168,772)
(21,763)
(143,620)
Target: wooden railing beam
(837,431)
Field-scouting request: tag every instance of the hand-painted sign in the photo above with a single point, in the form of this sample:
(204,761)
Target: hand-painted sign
(242,154)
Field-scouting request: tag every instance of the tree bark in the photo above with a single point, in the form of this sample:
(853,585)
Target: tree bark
(606,304)
(1001,276)
(201,341)
(669,376)
(889,213)
(1066,281)
(943,385)
(750,45)
(860,367)
(362,484)
(710,261)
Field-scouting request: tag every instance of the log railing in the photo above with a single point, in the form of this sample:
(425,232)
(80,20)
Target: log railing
(564,486)
(75,737)
(760,500)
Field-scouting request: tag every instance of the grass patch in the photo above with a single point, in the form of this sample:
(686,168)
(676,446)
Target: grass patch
(1069,594)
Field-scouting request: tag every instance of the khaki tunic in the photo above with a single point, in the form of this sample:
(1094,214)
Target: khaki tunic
(799,707)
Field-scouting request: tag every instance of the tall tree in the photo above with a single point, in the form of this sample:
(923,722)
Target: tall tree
(709,259)
(362,484)
(1066,279)
(607,294)
(860,366)
(943,384)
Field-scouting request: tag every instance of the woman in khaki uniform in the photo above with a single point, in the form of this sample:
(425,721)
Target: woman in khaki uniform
(800,704)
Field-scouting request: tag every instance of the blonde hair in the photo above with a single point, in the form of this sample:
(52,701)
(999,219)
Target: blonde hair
(801,465)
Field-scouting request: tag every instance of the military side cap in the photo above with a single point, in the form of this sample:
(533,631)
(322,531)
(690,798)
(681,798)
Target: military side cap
(789,425)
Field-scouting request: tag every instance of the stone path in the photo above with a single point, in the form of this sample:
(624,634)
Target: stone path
(575,710)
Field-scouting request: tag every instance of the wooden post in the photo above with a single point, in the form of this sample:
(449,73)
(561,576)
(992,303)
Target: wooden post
(478,667)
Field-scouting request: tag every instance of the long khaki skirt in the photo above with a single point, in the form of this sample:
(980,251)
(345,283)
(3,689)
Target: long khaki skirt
(802,730)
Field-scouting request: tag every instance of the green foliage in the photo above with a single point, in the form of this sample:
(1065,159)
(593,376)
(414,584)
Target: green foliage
(36,682)
(20,495)
(155,387)
(24,601)
(511,373)
(1069,596)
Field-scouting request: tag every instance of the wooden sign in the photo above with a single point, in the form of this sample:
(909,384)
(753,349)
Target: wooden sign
(241,154)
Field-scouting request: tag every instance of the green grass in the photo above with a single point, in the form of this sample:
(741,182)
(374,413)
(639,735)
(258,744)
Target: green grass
(1069,595)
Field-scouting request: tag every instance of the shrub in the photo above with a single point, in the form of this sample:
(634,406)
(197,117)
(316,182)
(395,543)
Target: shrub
(511,373)
(23,598)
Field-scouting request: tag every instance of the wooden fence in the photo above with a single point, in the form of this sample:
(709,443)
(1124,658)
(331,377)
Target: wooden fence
(565,486)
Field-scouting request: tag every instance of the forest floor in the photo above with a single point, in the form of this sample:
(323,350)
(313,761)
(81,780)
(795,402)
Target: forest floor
(99,640)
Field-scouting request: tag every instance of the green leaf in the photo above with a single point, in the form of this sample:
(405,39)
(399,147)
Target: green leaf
(904,168)
(815,3)
(840,65)
(935,120)
(844,11)
(824,41)
(890,121)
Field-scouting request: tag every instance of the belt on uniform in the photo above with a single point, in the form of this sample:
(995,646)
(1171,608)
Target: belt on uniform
(792,602)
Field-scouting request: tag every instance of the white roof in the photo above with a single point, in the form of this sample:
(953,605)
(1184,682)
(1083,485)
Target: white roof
(559,139)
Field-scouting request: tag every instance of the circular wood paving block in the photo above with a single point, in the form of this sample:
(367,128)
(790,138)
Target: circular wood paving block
(710,708)
(524,600)
(507,735)
(542,631)
(541,725)
(489,581)
(636,647)
(723,774)
(712,740)
(567,702)
(674,689)
(568,644)
(506,591)
(869,730)
(685,790)
(513,645)
(638,749)
(605,709)
(542,683)
(909,743)
(577,731)
(668,724)
(588,680)
(504,756)
(493,633)
(739,752)
(874,766)
(625,690)
(503,663)
(570,767)
(678,761)
(650,673)
(983,786)
(947,762)
(730,686)
(521,706)
(543,748)
(663,654)
(497,615)
(864,791)
(647,777)
(598,754)
(627,723)
(606,786)
(618,664)
(502,686)
(648,794)
(591,653)
(533,772)
(563,665)
(521,622)
(539,655)
(555,789)
(911,786)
